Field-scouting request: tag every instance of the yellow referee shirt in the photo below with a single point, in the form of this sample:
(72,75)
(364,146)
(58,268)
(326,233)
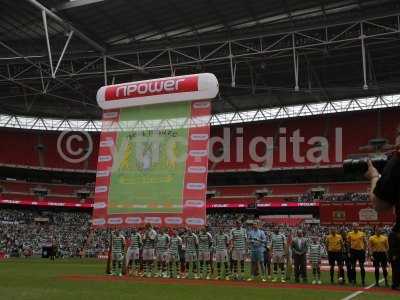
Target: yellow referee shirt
(356,240)
(379,243)
(334,243)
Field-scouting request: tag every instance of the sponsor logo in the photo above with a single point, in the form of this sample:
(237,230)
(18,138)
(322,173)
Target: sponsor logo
(99,221)
(194,203)
(195,186)
(133,220)
(152,220)
(308,204)
(199,136)
(173,220)
(197,170)
(104,158)
(99,205)
(152,88)
(195,221)
(198,153)
(219,205)
(55,204)
(115,221)
(107,143)
(101,189)
(102,173)
(11,201)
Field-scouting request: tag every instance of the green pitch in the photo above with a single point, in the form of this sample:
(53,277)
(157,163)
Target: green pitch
(149,165)
(31,279)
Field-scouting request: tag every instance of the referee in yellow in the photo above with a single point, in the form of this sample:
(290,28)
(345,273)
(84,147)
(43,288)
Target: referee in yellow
(378,249)
(358,246)
(334,244)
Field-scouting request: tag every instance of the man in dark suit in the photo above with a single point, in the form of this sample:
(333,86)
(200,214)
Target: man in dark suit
(299,248)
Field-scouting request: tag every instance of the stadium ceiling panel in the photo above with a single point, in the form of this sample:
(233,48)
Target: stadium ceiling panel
(54,54)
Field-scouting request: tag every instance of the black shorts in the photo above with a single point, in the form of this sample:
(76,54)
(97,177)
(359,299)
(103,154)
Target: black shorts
(335,257)
(267,258)
(380,259)
(357,255)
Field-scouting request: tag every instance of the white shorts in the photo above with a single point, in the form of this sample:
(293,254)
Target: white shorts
(148,254)
(190,256)
(221,256)
(117,256)
(315,262)
(132,254)
(278,258)
(204,255)
(162,256)
(238,255)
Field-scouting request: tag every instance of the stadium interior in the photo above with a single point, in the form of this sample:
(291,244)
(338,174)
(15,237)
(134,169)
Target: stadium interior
(326,69)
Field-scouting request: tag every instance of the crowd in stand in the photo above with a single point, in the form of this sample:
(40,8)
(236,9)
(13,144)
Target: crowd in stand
(24,232)
(307,197)
(348,197)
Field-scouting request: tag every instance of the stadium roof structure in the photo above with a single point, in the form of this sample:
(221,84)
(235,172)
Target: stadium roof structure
(55,54)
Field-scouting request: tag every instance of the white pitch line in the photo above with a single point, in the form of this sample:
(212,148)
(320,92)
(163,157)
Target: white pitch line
(355,294)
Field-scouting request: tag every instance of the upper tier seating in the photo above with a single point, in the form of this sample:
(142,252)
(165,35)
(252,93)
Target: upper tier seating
(22,190)
(34,148)
(348,141)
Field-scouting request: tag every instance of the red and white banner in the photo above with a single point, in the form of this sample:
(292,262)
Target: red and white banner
(195,179)
(198,89)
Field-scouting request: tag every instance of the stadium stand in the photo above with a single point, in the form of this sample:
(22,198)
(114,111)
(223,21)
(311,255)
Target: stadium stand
(17,190)
(350,143)
(312,82)
(38,149)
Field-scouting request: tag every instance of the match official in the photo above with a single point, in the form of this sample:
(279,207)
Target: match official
(334,244)
(378,249)
(358,246)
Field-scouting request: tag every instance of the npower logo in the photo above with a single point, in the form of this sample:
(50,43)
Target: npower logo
(203,86)
(150,88)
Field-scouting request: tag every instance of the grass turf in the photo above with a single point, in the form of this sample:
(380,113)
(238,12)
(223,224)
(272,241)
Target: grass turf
(32,279)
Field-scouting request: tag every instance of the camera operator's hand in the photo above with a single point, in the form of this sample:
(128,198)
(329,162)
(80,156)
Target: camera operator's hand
(372,171)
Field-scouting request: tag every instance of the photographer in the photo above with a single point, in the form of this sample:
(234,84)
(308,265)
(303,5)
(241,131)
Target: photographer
(385,194)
